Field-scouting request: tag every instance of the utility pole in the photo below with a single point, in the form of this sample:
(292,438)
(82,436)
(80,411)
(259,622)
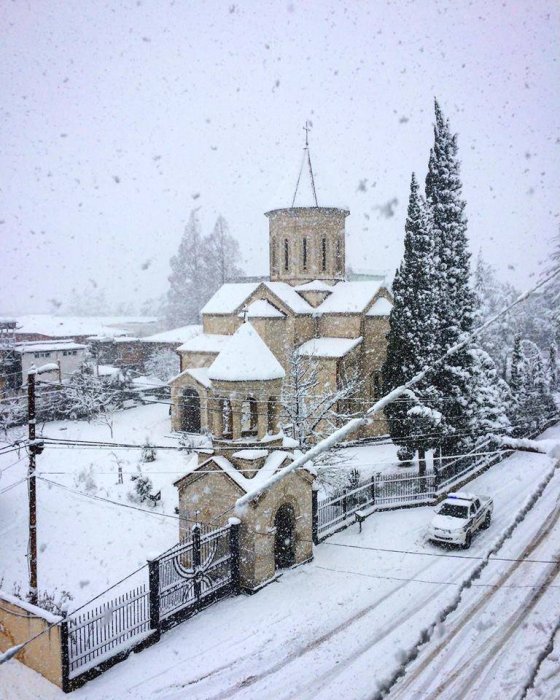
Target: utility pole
(34,448)
(32,486)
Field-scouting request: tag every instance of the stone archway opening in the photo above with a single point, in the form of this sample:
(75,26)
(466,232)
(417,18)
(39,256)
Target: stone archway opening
(249,417)
(190,414)
(285,537)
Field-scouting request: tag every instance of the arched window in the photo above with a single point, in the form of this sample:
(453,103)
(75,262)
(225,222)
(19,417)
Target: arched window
(304,254)
(323,253)
(190,411)
(249,416)
(226,418)
(286,254)
(271,415)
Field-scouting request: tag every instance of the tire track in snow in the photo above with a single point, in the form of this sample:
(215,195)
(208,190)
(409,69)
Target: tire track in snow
(312,645)
(426,664)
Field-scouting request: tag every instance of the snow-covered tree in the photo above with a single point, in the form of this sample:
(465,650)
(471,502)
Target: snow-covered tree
(411,342)
(188,288)
(200,267)
(491,399)
(163,364)
(310,407)
(552,367)
(455,298)
(222,254)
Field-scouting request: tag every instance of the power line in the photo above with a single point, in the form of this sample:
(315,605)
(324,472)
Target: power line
(441,555)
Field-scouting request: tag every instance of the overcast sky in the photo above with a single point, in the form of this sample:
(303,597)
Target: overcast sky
(119,117)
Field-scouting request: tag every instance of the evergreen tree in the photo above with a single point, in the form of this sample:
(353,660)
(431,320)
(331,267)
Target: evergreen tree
(222,254)
(411,340)
(553,367)
(188,288)
(455,299)
(198,270)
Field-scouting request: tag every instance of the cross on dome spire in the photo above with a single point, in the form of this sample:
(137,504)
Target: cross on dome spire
(306,157)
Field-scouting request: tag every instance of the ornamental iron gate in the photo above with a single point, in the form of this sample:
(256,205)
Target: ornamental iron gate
(194,574)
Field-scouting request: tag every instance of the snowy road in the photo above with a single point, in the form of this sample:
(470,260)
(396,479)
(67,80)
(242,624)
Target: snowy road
(488,647)
(339,626)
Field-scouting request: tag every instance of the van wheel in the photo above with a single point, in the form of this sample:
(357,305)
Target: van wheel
(468,540)
(487,519)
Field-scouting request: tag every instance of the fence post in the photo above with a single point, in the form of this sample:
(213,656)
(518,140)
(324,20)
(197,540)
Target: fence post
(234,526)
(315,517)
(196,560)
(372,490)
(64,656)
(153,583)
(344,503)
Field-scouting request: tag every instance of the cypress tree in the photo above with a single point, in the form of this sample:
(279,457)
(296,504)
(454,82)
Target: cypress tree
(455,299)
(411,339)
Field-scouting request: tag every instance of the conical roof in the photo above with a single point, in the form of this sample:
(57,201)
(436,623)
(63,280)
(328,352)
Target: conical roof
(246,357)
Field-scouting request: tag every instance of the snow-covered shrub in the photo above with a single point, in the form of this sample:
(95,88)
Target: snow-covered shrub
(84,480)
(149,452)
(55,603)
(143,490)
(405,454)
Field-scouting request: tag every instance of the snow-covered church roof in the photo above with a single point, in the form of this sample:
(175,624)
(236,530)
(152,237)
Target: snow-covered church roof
(382,307)
(261,308)
(246,357)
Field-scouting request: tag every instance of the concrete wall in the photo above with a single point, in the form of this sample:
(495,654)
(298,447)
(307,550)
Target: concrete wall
(68,363)
(20,622)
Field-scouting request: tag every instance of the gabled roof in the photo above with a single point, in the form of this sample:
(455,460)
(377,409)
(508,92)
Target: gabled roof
(261,308)
(245,357)
(349,297)
(229,297)
(175,335)
(272,463)
(205,342)
(315,286)
(382,307)
(328,347)
(290,297)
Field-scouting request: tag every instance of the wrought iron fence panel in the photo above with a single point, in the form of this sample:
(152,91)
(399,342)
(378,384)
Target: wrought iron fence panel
(100,632)
(194,571)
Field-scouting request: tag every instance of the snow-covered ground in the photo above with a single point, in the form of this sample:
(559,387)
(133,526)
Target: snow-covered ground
(86,545)
(341,624)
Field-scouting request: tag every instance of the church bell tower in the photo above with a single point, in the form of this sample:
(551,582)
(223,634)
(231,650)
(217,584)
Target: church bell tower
(307,242)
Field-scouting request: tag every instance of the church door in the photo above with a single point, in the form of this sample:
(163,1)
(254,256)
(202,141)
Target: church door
(191,411)
(285,537)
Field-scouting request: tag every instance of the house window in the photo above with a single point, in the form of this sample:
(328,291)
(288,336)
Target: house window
(66,353)
(286,254)
(304,254)
(41,354)
(323,253)
(249,417)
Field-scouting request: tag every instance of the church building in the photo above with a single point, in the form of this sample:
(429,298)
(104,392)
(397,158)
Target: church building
(233,373)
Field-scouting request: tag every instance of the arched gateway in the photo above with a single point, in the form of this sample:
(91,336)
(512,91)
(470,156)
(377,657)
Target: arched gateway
(190,419)
(285,537)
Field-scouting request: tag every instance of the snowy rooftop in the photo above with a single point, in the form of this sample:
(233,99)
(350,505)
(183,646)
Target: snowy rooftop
(344,297)
(382,307)
(205,342)
(246,357)
(270,466)
(63,326)
(328,347)
(314,286)
(49,346)
(349,297)
(200,374)
(250,454)
(261,308)
(175,335)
